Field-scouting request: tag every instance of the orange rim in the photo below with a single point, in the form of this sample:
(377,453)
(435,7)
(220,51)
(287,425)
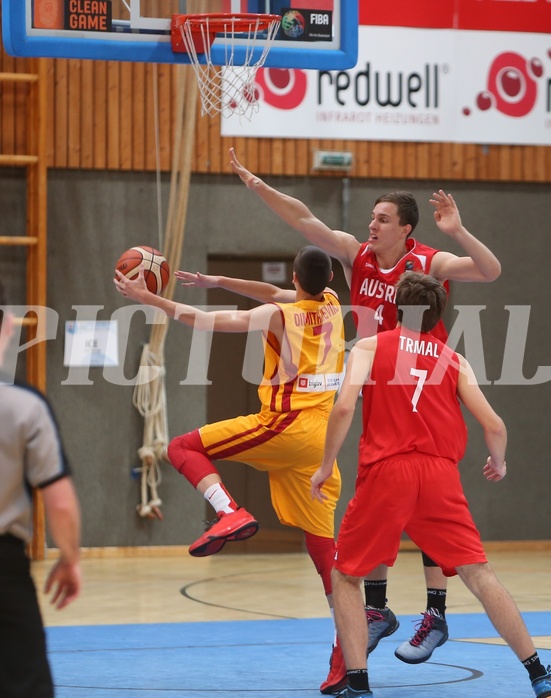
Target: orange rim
(220,21)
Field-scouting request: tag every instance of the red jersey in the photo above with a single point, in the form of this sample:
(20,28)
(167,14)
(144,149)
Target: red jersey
(410,402)
(375,288)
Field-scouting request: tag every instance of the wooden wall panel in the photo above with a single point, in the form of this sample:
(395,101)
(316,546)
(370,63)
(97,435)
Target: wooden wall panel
(75,100)
(50,111)
(464,160)
(540,161)
(409,157)
(7,112)
(303,157)
(137,116)
(120,116)
(167,100)
(127,132)
(21,112)
(215,156)
(150,141)
(100,114)
(61,111)
(88,115)
(114,123)
(264,153)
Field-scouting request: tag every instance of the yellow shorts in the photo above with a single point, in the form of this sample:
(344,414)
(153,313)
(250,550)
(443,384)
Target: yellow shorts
(289,446)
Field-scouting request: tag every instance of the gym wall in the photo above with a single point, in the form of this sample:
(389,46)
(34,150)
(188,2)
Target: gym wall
(102,199)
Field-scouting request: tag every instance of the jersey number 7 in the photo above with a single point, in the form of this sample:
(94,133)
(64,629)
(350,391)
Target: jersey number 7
(421,376)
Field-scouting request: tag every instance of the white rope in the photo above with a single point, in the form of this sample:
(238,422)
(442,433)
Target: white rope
(149,393)
(149,398)
(158,154)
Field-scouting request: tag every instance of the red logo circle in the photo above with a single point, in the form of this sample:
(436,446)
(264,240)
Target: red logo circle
(511,87)
(282,88)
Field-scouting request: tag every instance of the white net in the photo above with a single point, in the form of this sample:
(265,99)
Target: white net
(229,89)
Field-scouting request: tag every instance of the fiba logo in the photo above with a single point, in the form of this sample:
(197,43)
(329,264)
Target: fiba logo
(282,88)
(293,24)
(511,86)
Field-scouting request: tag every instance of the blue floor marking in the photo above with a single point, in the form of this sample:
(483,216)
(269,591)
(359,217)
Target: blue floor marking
(276,659)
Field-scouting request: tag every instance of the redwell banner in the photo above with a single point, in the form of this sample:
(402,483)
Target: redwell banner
(466,71)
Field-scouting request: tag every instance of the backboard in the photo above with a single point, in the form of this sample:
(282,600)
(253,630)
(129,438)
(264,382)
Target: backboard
(317,34)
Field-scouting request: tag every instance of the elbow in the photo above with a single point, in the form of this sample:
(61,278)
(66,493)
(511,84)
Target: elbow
(60,500)
(65,513)
(201,324)
(343,412)
(493,273)
(497,429)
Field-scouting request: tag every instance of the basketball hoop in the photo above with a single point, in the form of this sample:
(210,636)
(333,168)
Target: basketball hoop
(230,90)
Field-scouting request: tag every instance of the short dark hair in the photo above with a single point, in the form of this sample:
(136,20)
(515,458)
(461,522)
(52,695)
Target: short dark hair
(313,269)
(408,211)
(417,289)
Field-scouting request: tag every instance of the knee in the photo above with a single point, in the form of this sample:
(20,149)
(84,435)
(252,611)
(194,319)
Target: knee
(476,577)
(428,561)
(322,553)
(339,579)
(178,449)
(188,456)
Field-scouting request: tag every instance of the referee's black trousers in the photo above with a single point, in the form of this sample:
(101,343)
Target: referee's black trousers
(24,668)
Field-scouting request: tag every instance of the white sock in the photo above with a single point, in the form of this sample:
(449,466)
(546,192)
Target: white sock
(217,497)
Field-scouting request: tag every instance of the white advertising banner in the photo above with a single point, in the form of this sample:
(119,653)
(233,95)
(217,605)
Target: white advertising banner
(414,85)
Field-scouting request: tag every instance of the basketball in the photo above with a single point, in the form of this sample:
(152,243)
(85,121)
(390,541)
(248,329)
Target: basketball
(156,269)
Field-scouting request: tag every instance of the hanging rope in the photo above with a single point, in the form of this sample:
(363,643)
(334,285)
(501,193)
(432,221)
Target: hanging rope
(149,394)
(150,400)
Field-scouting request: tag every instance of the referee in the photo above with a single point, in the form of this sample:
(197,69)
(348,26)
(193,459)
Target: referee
(31,455)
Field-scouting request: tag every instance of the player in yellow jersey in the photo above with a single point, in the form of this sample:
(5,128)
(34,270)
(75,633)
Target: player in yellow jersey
(303,362)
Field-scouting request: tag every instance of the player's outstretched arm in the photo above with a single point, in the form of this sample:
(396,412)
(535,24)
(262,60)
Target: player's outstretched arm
(495,433)
(257,290)
(358,367)
(258,318)
(480,264)
(336,243)
(136,290)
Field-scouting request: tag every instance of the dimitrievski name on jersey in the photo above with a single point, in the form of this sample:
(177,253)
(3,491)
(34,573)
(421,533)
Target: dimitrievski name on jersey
(304,369)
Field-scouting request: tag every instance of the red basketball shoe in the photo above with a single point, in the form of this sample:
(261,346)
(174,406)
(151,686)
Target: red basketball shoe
(238,525)
(337,679)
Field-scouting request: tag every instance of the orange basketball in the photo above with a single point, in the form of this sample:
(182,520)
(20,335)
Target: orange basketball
(156,269)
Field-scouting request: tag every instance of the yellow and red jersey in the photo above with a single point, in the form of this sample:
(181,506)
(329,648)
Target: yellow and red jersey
(304,368)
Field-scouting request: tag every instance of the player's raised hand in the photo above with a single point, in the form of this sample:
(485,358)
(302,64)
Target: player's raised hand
(246,177)
(446,213)
(189,278)
(135,289)
(493,471)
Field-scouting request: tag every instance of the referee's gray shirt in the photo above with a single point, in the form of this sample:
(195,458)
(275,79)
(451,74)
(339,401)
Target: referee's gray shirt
(31,454)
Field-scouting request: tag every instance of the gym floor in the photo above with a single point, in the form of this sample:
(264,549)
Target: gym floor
(166,625)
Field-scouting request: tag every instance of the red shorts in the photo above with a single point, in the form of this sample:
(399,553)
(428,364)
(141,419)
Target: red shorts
(420,495)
